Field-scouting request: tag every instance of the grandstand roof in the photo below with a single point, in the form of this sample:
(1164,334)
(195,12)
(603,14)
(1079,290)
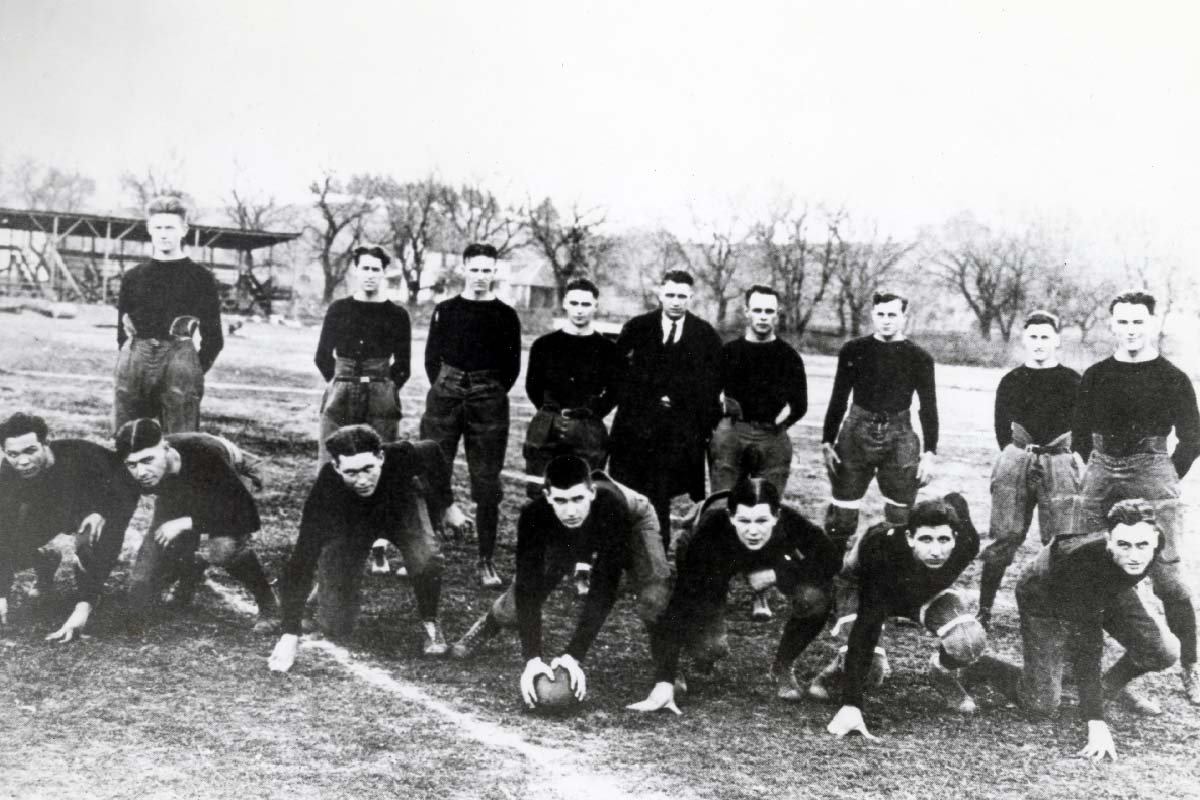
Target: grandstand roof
(133,229)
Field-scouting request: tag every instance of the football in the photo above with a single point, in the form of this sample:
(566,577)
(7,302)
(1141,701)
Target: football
(554,695)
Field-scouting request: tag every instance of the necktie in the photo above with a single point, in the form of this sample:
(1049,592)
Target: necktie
(671,334)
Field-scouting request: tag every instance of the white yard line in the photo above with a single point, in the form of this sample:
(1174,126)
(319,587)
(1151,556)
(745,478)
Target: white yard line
(561,772)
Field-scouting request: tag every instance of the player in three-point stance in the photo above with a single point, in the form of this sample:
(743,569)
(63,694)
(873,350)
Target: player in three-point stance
(1034,410)
(1078,588)
(367,490)
(48,487)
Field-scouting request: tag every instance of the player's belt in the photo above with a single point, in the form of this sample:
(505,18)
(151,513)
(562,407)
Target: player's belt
(767,427)
(361,370)
(1121,446)
(1057,446)
(881,417)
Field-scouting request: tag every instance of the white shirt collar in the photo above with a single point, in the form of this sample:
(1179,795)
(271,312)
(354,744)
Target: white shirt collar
(666,327)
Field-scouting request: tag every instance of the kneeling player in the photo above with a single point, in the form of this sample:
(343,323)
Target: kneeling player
(907,572)
(1076,589)
(369,490)
(579,515)
(199,492)
(748,532)
(52,487)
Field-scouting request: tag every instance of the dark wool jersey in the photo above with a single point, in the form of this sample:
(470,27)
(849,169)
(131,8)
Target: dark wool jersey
(763,377)
(474,335)
(1128,401)
(334,511)
(1042,401)
(573,372)
(798,551)
(85,479)
(1074,578)
(153,294)
(547,551)
(893,583)
(359,329)
(206,488)
(883,377)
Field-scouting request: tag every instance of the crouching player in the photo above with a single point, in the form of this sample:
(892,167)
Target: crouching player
(1076,589)
(367,491)
(199,492)
(907,572)
(52,487)
(748,532)
(581,516)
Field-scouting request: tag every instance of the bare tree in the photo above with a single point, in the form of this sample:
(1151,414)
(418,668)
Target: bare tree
(416,224)
(716,258)
(993,272)
(475,214)
(342,210)
(1161,274)
(800,270)
(572,245)
(863,264)
(251,213)
(1077,295)
(38,187)
(141,189)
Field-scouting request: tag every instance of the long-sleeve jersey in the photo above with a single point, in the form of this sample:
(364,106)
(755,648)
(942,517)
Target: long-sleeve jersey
(474,335)
(1130,400)
(798,551)
(883,377)
(360,329)
(763,377)
(1074,578)
(153,294)
(333,511)
(893,583)
(206,488)
(573,372)
(547,550)
(85,479)
(1042,401)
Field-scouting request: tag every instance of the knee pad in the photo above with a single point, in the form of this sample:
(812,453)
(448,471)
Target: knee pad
(840,522)
(223,550)
(712,649)
(810,601)
(963,642)
(430,568)
(504,610)
(1161,657)
(652,601)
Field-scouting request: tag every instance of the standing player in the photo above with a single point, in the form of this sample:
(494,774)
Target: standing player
(580,516)
(368,489)
(1034,407)
(766,391)
(907,571)
(52,487)
(571,380)
(161,304)
(669,400)
(472,358)
(742,531)
(198,492)
(876,440)
(1128,404)
(363,354)
(1077,588)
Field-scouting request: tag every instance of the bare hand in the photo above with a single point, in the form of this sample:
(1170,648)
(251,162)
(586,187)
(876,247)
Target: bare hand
(832,460)
(578,679)
(1099,742)
(284,654)
(761,580)
(848,720)
(457,522)
(170,530)
(92,526)
(75,622)
(925,469)
(533,668)
(661,696)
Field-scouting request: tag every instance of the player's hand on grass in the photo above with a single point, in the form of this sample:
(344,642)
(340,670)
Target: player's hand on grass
(1100,742)
(92,526)
(578,679)
(848,720)
(75,622)
(284,654)
(457,522)
(170,530)
(761,580)
(832,461)
(533,668)
(926,469)
(661,696)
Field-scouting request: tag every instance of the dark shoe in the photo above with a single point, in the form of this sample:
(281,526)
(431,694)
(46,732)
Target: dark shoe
(488,578)
(787,688)
(824,686)
(435,643)
(182,594)
(761,610)
(483,629)
(984,615)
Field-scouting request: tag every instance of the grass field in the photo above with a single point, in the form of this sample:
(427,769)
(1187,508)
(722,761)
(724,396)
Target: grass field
(190,709)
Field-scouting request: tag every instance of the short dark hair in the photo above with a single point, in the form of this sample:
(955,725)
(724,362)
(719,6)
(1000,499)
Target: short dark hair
(1041,317)
(931,514)
(886,297)
(566,471)
(758,288)
(582,285)
(350,440)
(138,434)
(371,250)
(678,276)
(478,249)
(20,424)
(1131,512)
(751,488)
(167,203)
(1134,298)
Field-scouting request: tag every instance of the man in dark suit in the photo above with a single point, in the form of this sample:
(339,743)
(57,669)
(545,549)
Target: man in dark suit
(669,401)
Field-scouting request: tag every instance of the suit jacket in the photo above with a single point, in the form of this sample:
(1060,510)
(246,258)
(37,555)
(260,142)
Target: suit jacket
(645,435)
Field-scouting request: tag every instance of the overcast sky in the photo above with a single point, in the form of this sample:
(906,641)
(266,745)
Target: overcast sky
(903,111)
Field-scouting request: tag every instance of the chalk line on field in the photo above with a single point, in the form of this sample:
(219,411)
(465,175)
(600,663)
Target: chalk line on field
(562,772)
